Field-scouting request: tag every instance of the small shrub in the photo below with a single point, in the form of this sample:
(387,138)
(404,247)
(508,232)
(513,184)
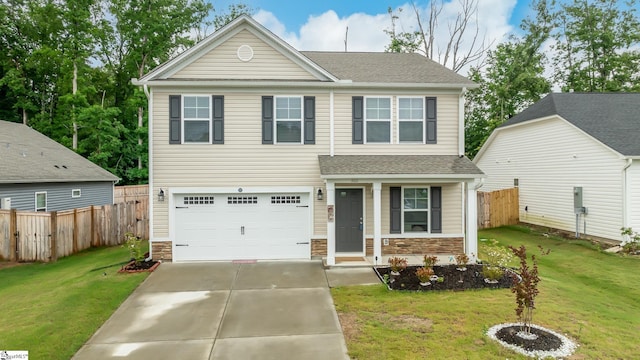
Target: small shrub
(397,264)
(497,258)
(429,260)
(493,273)
(134,245)
(462,259)
(424,274)
(633,245)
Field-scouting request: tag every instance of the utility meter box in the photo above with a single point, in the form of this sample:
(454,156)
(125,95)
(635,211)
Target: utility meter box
(578,207)
(5,203)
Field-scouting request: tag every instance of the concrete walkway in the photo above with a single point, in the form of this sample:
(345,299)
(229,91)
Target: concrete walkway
(264,310)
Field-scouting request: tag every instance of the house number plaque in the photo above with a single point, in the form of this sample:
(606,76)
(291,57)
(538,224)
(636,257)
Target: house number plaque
(330,214)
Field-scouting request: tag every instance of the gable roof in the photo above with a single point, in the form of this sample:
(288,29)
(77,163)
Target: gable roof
(611,118)
(382,67)
(330,68)
(440,166)
(27,156)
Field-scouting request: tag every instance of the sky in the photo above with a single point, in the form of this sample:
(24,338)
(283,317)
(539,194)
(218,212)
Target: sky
(321,25)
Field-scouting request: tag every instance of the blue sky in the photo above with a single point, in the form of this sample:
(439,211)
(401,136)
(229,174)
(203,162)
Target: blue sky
(294,16)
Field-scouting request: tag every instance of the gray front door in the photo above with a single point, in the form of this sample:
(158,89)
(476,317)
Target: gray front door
(349,220)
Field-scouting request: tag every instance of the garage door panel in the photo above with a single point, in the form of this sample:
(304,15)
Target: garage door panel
(248,226)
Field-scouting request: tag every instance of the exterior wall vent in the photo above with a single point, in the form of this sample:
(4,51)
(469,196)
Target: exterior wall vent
(245,53)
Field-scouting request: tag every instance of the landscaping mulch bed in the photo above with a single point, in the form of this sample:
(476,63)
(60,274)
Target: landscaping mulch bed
(451,278)
(140,266)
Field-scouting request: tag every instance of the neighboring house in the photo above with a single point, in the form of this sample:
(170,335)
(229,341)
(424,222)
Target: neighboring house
(587,142)
(265,152)
(38,174)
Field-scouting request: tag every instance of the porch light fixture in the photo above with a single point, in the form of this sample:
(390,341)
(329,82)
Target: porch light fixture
(161,195)
(319,194)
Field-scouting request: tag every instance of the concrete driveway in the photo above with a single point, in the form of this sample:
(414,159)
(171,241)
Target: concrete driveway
(264,310)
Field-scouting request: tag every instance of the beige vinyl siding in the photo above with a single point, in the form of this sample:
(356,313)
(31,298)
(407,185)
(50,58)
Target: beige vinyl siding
(222,62)
(549,158)
(242,160)
(447,128)
(633,196)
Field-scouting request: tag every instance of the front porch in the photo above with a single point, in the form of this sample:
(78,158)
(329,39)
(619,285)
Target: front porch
(368,261)
(388,205)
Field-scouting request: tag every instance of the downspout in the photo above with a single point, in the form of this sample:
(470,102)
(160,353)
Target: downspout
(625,193)
(461,122)
(331,124)
(150,161)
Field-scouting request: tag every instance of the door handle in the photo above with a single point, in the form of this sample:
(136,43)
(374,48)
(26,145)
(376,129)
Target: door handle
(241,230)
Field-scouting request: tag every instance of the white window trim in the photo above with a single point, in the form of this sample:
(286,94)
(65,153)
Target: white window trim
(428,209)
(365,120)
(46,202)
(424,122)
(79,193)
(183,119)
(275,120)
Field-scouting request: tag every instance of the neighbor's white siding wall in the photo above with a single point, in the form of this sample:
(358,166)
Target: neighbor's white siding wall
(549,158)
(223,63)
(633,196)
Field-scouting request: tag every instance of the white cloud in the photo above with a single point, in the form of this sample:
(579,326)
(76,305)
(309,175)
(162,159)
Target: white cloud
(326,32)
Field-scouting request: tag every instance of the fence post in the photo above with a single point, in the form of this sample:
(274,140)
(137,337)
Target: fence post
(75,232)
(13,235)
(53,237)
(93,226)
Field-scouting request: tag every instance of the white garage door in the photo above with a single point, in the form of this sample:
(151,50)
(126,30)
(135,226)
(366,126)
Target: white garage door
(241,226)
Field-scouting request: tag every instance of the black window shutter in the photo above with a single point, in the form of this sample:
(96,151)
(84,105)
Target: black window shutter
(431,127)
(309,119)
(436,209)
(267,119)
(174,119)
(395,210)
(358,119)
(217,123)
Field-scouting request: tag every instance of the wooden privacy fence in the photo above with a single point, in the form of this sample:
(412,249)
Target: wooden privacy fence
(498,208)
(46,236)
(129,193)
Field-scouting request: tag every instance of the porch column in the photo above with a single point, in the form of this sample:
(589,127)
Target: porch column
(331,224)
(377,224)
(471,237)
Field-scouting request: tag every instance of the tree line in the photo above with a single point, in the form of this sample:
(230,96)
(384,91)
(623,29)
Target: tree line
(66,68)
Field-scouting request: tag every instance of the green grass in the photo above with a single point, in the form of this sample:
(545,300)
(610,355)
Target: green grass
(591,296)
(52,309)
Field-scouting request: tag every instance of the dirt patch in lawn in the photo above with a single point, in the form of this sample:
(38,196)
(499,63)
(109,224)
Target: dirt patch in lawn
(350,325)
(10,264)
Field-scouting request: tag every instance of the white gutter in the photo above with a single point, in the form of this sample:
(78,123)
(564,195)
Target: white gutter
(461,122)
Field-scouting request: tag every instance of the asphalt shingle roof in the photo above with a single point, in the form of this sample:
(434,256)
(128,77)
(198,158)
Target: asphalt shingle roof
(611,118)
(380,67)
(396,165)
(27,156)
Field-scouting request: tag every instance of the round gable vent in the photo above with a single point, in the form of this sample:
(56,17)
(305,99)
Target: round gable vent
(245,53)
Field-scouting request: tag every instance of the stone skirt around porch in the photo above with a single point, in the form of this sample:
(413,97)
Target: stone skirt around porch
(368,261)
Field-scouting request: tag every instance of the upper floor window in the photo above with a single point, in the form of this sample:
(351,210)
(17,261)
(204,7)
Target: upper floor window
(411,120)
(377,116)
(76,193)
(196,119)
(288,119)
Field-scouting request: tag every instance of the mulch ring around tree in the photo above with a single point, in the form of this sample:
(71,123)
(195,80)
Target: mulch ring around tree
(139,266)
(539,343)
(449,278)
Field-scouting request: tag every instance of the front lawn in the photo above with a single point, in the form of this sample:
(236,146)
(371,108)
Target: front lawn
(52,309)
(590,296)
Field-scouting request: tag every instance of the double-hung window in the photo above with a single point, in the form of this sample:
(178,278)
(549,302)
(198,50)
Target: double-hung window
(411,120)
(415,211)
(377,119)
(196,117)
(288,119)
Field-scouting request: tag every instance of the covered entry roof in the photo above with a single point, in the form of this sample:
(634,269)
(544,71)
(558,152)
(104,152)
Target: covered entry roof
(427,166)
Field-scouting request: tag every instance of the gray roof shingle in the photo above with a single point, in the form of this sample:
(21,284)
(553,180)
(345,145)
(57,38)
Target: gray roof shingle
(377,67)
(611,118)
(27,156)
(437,165)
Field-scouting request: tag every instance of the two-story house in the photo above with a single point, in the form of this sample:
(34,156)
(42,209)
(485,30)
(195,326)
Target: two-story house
(261,151)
